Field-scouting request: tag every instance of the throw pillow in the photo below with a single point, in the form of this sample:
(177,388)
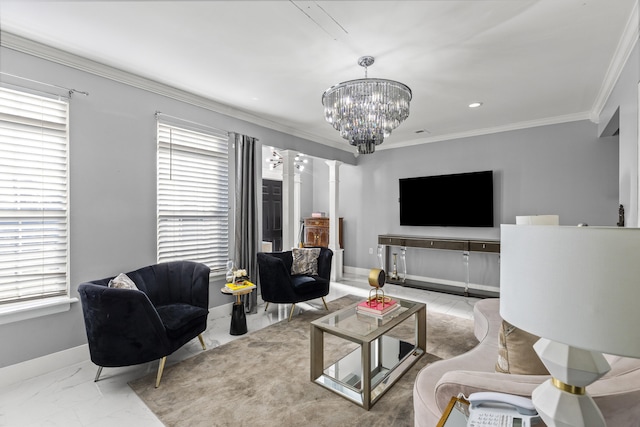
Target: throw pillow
(516,354)
(122,281)
(305,261)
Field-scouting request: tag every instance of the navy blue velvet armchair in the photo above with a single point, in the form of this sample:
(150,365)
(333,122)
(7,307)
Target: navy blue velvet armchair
(278,285)
(128,326)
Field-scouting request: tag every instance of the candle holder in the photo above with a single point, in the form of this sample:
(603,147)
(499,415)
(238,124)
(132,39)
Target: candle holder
(394,271)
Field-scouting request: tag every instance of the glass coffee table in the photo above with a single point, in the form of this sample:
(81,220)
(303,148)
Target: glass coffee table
(360,357)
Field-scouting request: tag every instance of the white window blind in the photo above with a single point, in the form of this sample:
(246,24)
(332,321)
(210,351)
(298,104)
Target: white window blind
(33,196)
(193,196)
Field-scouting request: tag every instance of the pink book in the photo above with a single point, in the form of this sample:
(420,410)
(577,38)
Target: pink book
(377,307)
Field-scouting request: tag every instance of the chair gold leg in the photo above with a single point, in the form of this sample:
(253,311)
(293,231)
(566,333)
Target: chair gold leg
(204,347)
(98,374)
(325,304)
(266,306)
(291,312)
(160,370)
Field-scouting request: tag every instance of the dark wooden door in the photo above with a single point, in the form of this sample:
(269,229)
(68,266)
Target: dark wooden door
(272,213)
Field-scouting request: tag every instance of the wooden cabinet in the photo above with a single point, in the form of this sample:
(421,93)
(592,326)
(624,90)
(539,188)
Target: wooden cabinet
(316,232)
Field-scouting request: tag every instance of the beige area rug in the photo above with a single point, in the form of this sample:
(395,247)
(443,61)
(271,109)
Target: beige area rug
(262,379)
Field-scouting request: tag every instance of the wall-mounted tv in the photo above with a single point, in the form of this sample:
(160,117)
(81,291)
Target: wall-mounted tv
(455,200)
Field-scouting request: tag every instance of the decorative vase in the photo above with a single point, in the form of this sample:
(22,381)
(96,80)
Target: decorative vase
(231,270)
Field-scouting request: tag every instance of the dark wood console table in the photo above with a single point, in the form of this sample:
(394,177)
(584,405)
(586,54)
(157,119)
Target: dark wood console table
(386,241)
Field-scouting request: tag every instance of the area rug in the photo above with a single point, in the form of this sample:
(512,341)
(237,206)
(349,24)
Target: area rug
(262,379)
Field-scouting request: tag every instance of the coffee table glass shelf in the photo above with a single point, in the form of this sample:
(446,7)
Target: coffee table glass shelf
(385,348)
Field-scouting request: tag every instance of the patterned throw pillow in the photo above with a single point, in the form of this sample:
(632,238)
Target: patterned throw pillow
(516,354)
(305,261)
(122,281)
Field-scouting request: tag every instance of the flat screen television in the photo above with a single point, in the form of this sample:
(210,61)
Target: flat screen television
(455,200)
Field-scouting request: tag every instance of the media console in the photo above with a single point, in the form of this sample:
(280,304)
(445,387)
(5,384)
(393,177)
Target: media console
(466,246)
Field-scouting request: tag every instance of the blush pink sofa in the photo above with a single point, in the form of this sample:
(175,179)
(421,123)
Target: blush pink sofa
(617,393)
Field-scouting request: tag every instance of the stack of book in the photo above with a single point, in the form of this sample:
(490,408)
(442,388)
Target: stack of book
(239,286)
(377,308)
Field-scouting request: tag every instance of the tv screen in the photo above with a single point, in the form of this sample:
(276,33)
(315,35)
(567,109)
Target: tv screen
(457,200)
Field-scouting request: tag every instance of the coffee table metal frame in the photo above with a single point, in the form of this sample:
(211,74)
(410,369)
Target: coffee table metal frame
(371,335)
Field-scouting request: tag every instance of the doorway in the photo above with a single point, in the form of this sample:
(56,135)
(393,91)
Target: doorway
(272,213)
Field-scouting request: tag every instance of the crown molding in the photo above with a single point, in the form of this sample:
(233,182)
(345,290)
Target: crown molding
(27,46)
(492,130)
(30,47)
(623,51)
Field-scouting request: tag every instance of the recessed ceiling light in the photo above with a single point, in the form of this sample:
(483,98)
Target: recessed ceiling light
(475,104)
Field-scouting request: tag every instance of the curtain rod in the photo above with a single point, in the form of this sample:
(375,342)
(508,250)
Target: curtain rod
(70,91)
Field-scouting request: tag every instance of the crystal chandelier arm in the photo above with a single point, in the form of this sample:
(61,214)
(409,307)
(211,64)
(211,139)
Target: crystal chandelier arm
(365,111)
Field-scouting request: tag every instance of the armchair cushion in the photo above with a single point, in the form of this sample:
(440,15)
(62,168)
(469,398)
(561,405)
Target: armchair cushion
(180,318)
(516,354)
(305,261)
(304,284)
(122,281)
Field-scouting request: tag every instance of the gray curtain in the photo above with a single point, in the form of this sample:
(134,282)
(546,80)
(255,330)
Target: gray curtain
(246,236)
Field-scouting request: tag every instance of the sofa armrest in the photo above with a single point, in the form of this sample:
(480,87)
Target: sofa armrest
(123,327)
(466,382)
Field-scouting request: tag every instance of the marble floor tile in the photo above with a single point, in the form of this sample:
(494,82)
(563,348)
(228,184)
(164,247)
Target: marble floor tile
(69,397)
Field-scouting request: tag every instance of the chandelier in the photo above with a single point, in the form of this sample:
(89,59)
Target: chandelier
(276,160)
(365,111)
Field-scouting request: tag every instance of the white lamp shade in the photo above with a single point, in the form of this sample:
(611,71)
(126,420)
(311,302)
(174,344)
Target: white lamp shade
(574,285)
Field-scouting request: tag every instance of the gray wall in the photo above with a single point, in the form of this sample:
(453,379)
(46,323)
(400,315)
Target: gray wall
(112,185)
(562,169)
(624,98)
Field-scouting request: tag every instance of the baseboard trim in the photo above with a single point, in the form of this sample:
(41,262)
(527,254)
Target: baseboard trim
(43,365)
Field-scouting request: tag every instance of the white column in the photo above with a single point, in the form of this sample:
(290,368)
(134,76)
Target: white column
(296,208)
(289,221)
(334,242)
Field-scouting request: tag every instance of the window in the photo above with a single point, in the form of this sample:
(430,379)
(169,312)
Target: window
(33,197)
(193,196)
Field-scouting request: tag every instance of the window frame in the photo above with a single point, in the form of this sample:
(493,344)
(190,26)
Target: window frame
(201,148)
(36,148)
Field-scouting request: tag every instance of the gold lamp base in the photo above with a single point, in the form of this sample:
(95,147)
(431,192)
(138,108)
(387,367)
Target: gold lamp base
(377,278)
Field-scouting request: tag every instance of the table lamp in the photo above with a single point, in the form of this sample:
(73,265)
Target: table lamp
(576,288)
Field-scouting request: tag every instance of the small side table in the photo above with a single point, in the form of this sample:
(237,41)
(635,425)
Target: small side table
(456,414)
(238,316)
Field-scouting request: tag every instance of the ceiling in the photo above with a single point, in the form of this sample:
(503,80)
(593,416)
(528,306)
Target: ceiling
(528,62)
